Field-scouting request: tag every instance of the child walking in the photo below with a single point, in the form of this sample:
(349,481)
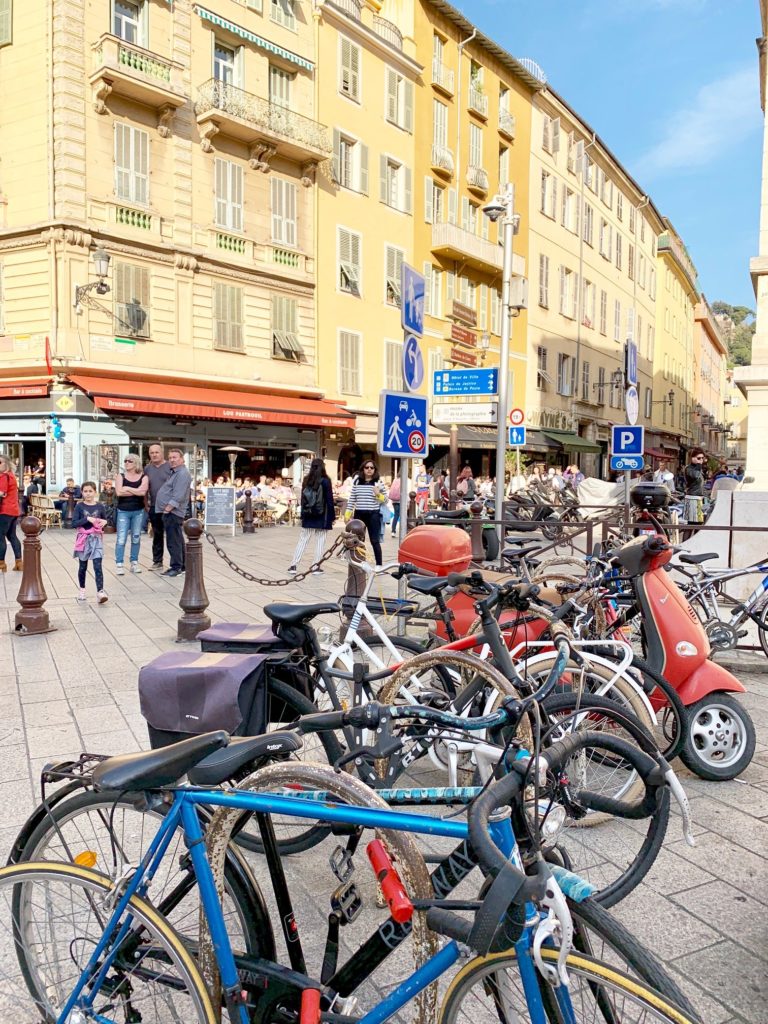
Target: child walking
(89,520)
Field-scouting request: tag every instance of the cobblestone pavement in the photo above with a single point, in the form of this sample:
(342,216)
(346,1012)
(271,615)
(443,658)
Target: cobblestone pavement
(704,911)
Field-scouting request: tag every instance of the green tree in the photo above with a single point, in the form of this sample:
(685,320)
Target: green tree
(738,326)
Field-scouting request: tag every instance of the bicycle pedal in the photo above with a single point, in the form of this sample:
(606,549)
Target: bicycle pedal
(341,864)
(346,902)
(742,633)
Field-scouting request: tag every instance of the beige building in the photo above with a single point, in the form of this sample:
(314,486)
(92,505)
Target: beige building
(710,383)
(593,288)
(737,420)
(179,152)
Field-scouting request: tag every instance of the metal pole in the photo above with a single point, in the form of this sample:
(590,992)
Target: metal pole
(508,198)
(403,524)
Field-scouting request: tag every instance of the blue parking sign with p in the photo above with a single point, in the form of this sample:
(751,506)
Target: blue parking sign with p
(412,300)
(627,440)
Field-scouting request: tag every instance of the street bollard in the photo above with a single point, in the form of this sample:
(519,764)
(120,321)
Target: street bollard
(194,599)
(248,526)
(411,505)
(69,513)
(476,529)
(354,538)
(455,501)
(32,618)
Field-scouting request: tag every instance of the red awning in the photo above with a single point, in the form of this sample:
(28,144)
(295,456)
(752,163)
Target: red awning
(32,388)
(656,453)
(129,396)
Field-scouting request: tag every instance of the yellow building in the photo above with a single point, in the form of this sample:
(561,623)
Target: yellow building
(674,408)
(593,288)
(179,152)
(737,420)
(710,383)
(366,94)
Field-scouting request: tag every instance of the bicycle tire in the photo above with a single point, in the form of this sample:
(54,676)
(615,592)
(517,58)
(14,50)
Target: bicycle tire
(407,648)
(600,982)
(17,879)
(762,629)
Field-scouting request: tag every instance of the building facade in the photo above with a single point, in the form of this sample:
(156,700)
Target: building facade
(710,383)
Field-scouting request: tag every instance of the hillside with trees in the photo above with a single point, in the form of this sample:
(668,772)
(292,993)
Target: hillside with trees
(738,326)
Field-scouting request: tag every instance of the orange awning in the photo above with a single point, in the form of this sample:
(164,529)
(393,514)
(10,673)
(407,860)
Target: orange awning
(138,396)
(32,388)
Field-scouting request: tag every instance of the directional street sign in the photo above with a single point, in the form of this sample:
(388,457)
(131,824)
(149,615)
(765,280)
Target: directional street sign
(484,413)
(466,382)
(632,404)
(627,462)
(402,425)
(412,300)
(630,363)
(627,440)
(516,437)
(516,417)
(413,363)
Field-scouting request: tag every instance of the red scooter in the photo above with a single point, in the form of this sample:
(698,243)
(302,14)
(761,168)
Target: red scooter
(721,736)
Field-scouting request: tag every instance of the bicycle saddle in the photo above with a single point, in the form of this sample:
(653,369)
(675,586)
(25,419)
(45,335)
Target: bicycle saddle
(520,552)
(427,584)
(697,559)
(156,769)
(296,614)
(242,751)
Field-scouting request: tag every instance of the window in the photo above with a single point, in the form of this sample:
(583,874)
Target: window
(393,268)
(651,347)
(399,103)
(349,255)
(667,320)
(617,320)
(280,84)
(284,211)
(606,190)
(589,173)
(614,397)
(569,293)
(440,124)
(642,229)
(618,250)
(632,215)
(652,284)
(603,311)
(544,281)
(495,311)
(350,163)
(469,215)
(6,22)
(631,262)
(550,137)
(589,218)
(393,365)
(569,210)
(631,324)
(435,365)
(229,195)
(281,12)
(131,284)
(227,317)
(585,382)
(605,239)
(349,69)
(548,195)
(503,166)
(648,403)
(285,330)
(452,205)
(395,184)
(641,270)
(475,145)
(433,290)
(450,285)
(565,370)
(131,164)
(601,385)
(482,312)
(434,204)
(128,21)
(620,206)
(589,299)
(225,64)
(350,345)
(541,368)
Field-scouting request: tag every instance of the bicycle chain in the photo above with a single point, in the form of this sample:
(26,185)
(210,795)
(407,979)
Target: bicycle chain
(271,583)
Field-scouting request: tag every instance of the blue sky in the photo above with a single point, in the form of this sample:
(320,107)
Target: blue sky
(672,86)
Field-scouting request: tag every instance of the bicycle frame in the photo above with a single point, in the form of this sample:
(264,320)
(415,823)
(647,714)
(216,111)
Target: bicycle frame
(704,589)
(184,812)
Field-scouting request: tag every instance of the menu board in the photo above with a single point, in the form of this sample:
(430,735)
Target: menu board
(220,507)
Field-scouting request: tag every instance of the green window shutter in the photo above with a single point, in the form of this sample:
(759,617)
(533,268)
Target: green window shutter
(6,22)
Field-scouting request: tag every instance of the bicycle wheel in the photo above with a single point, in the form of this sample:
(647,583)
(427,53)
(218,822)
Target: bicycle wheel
(488,990)
(405,649)
(51,918)
(762,628)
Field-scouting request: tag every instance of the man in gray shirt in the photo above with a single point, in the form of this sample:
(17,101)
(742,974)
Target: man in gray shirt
(157,471)
(171,502)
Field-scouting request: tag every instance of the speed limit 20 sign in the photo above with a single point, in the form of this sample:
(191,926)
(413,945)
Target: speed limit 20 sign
(516,417)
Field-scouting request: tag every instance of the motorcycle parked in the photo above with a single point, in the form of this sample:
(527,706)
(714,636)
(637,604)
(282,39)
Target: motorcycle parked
(462,518)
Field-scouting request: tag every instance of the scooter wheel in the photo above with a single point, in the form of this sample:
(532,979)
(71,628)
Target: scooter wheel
(491,545)
(720,740)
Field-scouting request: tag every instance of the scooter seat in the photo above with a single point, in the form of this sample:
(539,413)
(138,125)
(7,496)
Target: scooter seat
(446,514)
(512,554)
(697,559)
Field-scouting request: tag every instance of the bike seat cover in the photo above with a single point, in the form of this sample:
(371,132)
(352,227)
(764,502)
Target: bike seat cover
(697,559)
(156,769)
(241,752)
(427,584)
(296,614)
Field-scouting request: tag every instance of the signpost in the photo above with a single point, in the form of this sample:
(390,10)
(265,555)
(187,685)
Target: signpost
(412,300)
(464,358)
(463,336)
(630,363)
(466,382)
(632,404)
(627,445)
(465,412)
(413,363)
(220,507)
(516,437)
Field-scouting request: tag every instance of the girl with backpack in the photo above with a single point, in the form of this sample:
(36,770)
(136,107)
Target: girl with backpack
(317,514)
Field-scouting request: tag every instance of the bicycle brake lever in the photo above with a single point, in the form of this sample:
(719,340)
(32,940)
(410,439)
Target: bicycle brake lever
(682,801)
(557,924)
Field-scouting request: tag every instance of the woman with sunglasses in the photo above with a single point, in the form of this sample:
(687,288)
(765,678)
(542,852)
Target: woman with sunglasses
(130,487)
(369,494)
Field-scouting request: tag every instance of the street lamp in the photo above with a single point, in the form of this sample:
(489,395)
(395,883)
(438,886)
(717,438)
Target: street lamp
(668,399)
(502,208)
(83,297)
(101,266)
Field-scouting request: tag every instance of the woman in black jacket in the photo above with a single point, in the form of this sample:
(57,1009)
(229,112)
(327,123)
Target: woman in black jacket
(317,513)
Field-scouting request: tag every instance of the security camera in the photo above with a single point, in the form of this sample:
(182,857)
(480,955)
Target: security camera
(494,210)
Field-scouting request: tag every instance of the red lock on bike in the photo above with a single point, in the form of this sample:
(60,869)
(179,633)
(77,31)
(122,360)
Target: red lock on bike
(400,906)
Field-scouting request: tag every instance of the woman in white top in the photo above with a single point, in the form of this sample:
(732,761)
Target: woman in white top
(368,495)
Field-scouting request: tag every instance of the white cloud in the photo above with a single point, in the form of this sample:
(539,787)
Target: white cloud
(722,114)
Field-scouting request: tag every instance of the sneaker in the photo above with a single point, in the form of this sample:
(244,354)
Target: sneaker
(101,597)
(135,568)
(81,594)
(120,569)
(318,572)
(155,566)
(291,570)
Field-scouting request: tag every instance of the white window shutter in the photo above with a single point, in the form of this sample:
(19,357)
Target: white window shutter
(428,194)
(6,22)
(383,190)
(122,161)
(141,166)
(345,253)
(452,200)
(555,129)
(354,256)
(465,213)
(363,182)
(391,96)
(450,285)
(563,290)
(575,296)
(222,192)
(553,200)
(407,190)
(236,172)
(427,269)
(289,197)
(483,311)
(336,155)
(408,107)
(278,215)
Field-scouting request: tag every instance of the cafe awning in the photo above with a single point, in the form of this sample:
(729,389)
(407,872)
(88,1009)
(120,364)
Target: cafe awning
(571,442)
(34,387)
(148,398)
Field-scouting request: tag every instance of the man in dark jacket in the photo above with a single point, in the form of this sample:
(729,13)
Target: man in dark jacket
(694,474)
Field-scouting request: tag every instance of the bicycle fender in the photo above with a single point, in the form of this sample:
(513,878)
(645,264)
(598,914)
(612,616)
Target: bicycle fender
(708,677)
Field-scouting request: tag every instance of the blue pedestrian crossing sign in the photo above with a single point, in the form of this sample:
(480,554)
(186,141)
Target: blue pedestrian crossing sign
(516,437)
(413,363)
(402,425)
(412,300)
(627,440)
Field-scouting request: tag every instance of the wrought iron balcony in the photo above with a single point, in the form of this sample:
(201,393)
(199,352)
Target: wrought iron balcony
(442,77)
(391,33)
(478,101)
(351,8)
(267,127)
(477,178)
(507,124)
(442,159)
(132,72)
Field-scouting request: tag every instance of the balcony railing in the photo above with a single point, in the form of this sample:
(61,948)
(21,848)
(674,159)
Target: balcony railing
(391,33)
(442,158)
(671,244)
(478,101)
(442,77)
(351,8)
(129,70)
(477,178)
(261,114)
(507,124)
(460,244)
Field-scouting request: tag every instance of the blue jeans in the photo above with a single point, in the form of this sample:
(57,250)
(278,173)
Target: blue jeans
(128,522)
